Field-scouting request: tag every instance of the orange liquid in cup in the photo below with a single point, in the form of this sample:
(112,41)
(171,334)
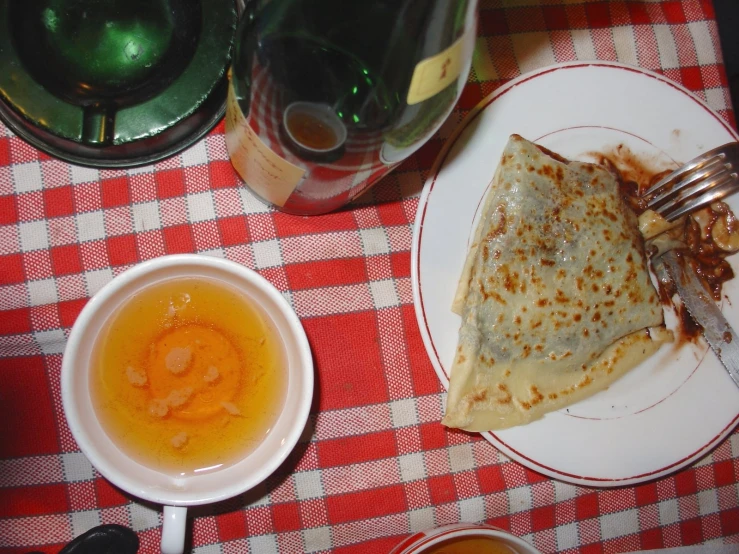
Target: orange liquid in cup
(471,545)
(309,131)
(188,375)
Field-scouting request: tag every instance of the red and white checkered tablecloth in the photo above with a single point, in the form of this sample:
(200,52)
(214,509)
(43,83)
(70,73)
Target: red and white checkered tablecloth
(374,464)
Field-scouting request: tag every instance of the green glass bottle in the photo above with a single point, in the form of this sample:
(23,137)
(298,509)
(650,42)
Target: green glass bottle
(328,96)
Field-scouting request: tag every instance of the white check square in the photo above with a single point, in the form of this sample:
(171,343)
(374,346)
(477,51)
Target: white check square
(34,235)
(403,412)
(27,177)
(42,292)
(472,509)
(412,467)
(90,226)
(146,216)
(317,539)
(263,543)
(195,155)
(308,484)
(143,517)
(84,521)
(200,207)
(384,294)
(267,254)
(95,280)
(51,342)
(374,241)
(76,467)
(84,174)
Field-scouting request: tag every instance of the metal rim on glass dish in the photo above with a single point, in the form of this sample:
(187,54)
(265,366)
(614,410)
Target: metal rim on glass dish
(155,99)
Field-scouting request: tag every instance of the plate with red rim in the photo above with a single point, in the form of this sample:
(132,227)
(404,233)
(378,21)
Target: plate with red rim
(679,404)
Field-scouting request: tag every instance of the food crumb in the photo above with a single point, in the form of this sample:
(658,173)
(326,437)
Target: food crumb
(178,397)
(158,407)
(135,376)
(231,408)
(179,440)
(211,375)
(178,359)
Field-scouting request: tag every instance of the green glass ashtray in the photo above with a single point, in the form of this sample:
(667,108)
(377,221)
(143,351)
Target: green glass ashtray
(114,83)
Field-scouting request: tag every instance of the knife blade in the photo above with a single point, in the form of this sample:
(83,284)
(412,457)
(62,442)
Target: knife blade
(703,309)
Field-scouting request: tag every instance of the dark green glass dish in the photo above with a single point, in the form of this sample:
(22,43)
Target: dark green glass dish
(114,83)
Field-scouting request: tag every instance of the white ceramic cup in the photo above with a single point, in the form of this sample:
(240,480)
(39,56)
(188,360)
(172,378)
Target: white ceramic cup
(423,541)
(140,481)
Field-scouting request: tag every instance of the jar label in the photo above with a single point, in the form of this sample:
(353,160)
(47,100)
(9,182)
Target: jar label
(265,172)
(434,74)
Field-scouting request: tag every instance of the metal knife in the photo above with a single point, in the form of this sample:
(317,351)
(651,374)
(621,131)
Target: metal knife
(703,309)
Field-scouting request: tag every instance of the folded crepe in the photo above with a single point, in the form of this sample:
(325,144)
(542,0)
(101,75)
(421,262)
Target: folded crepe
(555,296)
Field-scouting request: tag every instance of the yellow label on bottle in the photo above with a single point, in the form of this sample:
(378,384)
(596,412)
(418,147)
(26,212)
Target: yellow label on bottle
(434,74)
(269,175)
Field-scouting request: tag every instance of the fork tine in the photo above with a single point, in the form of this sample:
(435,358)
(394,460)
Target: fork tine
(712,156)
(693,176)
(707,192)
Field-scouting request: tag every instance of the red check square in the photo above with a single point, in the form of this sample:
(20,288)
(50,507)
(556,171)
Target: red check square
(115,192)
(730,522)
(178,239)
(674,12)
(400,264)
(433,436)
(598,15)
(29,428)
(108,495)
(442,489)
(233,230)
(542,518)
(366,504)
(586,506)
(493,22)
(8,210)
(342,382)
(4,151)
(555,18)
(66,259)
(69,310)
(651,539)
(15,322)
(11,269)
(692,78)
(38,501)
(232,526)
(685,483)
(222,174)
(122,250)
(286,517)
(646,494)
(691,531)
(357,449)
(392,213)
(170,183)
(491,479)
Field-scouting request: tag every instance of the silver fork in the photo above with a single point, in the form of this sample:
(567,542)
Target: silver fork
(703,180)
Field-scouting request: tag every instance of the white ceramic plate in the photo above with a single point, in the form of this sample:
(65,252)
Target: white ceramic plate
(679,404)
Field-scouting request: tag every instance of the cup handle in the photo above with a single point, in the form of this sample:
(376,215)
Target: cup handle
(173,529)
